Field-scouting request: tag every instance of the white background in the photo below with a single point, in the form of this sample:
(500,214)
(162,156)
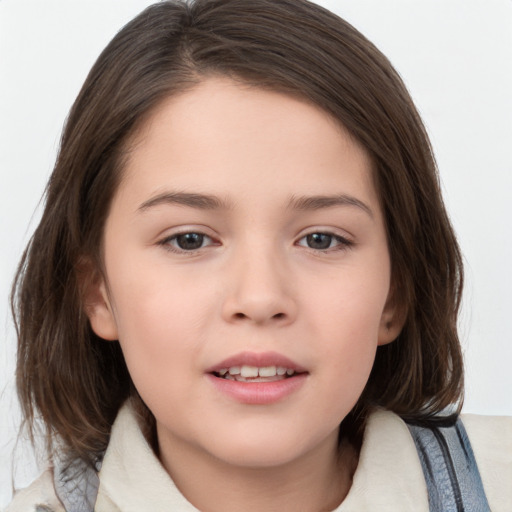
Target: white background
(454,55)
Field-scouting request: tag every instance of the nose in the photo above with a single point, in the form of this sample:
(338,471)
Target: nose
(259,291)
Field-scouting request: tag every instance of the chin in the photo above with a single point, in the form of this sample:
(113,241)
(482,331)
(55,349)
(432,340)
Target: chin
(255,450)
(258,457)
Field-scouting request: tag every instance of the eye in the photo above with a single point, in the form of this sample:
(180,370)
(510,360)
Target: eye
(187,242)
(324,241)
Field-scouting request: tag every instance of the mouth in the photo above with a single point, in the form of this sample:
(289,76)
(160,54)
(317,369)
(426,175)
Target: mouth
(248,373)
(257,367)
(257,378)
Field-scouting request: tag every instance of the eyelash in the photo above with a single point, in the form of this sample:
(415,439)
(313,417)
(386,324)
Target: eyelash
(167,242)
(342,242)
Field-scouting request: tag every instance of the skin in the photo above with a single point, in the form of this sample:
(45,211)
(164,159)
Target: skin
(255,285)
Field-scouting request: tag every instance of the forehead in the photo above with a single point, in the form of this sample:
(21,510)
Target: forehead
(228,137)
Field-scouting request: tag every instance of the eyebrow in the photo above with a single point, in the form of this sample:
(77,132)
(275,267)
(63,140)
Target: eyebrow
(199,201)
(320,202)
(210,202)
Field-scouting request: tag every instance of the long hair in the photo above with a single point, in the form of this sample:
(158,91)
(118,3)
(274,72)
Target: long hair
(77,382)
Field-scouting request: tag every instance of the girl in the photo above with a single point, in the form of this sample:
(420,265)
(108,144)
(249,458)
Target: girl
(245,280)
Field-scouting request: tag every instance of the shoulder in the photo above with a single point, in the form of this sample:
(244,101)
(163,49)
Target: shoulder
(40,496)
(389,464)
(471,470)
(490,432)
(389,475)
(491,440)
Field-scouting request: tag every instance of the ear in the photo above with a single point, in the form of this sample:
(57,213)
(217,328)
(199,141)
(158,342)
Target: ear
(97,303)
(392,320)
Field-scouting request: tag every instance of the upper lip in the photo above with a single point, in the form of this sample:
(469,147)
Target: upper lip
(258,359)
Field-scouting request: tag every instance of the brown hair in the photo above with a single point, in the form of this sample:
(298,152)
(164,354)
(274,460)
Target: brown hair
(77,382)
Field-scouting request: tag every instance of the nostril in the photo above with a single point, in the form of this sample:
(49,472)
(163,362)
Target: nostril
(242,316)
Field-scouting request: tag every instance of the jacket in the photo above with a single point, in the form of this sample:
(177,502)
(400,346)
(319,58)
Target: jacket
(389,476)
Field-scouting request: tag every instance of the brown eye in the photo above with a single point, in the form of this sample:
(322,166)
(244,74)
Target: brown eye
(319,241)
(190,241)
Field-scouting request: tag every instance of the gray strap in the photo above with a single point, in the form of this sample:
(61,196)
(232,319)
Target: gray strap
(450,469)
(76,485)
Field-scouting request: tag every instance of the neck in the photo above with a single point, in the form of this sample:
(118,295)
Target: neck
(317,482)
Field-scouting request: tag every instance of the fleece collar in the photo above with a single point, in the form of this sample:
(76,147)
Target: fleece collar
(388,477)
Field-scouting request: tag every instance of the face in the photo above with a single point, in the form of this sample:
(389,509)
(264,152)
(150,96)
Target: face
(247,274)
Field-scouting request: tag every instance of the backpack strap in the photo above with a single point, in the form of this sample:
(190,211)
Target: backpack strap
(449,466)
(76,485)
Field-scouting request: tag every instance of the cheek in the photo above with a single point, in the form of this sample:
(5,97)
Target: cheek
(346,323)
(160,323)
(157,299)
(348,308)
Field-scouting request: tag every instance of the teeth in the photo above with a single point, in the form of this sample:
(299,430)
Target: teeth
(239,378)
(246,371)
(249,371)
(267,371)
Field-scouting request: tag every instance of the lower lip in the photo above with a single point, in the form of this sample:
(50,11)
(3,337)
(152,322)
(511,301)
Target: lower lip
(258,393)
